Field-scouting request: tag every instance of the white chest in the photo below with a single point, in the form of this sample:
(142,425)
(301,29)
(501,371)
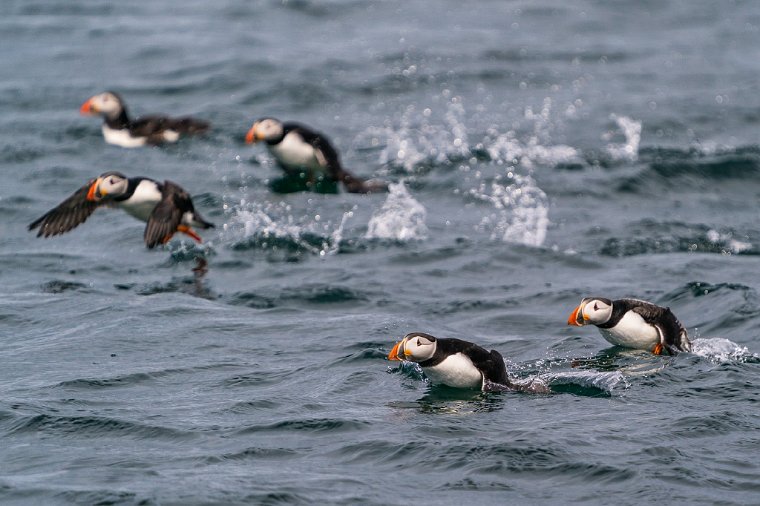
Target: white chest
(456,371)
(121,138)
(632,332)
(294,153)
(143,200)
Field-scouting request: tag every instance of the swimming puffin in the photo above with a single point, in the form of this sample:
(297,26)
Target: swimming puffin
(633,323)
(452,362)
(166,207)
(121,130)
(297,148)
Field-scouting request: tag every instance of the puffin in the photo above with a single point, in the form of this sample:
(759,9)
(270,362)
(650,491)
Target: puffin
(121,130)
(453,362)
(298,148)
(166,207)
(633,323)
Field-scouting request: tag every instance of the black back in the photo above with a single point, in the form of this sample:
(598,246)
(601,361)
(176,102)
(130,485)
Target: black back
(673,333)
(490,363)
(335,169)
(154,126)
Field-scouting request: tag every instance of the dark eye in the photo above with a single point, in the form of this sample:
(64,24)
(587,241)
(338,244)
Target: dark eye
(419,342)
(112,181)
(596,307)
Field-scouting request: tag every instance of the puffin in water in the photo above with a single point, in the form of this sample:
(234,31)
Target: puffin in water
(121,130)
(633,323)
(298,148)
(166,207)
(453,362)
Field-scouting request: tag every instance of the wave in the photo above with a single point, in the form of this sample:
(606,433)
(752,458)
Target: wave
(587,382)
(314,293)
(93,426)
(314,425)
(651,236)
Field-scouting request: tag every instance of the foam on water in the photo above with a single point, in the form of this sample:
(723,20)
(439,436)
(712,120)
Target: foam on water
(401,217)
(520,212)
(730,244)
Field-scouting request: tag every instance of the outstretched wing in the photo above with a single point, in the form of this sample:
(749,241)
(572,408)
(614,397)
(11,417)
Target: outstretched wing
(167,215)
(69,214)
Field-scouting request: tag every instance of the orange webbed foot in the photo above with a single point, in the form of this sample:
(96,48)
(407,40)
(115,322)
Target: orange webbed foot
(189,231)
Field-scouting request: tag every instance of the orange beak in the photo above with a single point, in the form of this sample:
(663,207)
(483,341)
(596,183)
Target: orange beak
(92,194)
(393,355)
(573,318)
(87,108)
(250,137)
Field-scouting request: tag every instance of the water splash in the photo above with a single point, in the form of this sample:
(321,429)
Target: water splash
(401,217)
(506,149)
(440,135)
(520,210)
(720,350)
(273,226)
(416,141)
(631,130)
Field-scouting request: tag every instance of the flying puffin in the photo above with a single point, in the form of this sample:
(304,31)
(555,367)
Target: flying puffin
(121,130)
(452,362)
(298,148)
(633,323)
(166,207)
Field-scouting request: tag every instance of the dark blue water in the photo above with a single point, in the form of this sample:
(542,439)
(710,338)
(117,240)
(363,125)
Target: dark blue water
(540,152)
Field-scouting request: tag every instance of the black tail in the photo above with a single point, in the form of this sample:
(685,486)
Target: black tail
(357,185)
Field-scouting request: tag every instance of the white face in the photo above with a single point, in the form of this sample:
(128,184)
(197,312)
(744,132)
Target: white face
(596,311)
(112,184)
(418,348)
(106,104)
(267,129)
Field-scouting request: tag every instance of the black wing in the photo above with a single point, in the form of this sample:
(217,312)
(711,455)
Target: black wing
(331,160)
(153,127)
(672,334)
(353,184)
(490,363)
(167,215)
(189,126)
(69,214)
(494,369)
(147,126)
